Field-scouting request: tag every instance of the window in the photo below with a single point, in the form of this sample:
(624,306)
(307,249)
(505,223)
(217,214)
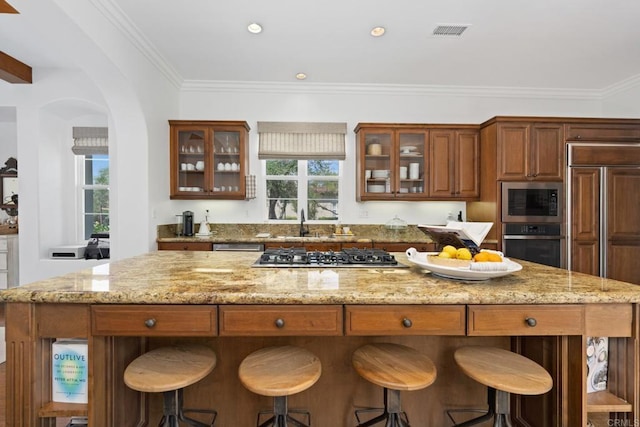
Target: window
(94,194)
(312,185)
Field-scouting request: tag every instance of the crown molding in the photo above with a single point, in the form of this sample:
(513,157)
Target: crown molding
(621,86)
(121,21)
(388,89)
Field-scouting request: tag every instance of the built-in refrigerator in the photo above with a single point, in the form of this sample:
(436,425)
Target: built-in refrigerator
(604,210)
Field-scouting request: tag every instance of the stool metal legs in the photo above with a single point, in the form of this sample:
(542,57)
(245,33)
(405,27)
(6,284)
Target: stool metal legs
(281,417)
(499,409)
(173,412)
(391,413)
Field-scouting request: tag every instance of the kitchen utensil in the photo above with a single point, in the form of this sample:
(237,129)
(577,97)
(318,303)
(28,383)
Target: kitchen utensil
(374,149)
(396,224)
(403,172)
(414,170)
(187,221)
(200,165)
(179,225)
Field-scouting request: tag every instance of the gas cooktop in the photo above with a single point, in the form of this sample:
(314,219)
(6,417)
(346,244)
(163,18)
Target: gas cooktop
(299,257)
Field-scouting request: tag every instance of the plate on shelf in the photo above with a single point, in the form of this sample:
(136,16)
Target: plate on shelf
(459,273)
(406,149)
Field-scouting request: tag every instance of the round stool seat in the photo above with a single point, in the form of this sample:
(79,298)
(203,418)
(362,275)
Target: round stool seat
(279,371)
(169,368)
(394,366)
(503,370)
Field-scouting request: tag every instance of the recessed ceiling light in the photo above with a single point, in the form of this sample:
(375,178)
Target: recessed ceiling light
(301,76)
(377,31)
(254,28)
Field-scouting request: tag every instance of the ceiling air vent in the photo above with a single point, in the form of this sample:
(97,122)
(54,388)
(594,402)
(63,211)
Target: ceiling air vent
(449,30)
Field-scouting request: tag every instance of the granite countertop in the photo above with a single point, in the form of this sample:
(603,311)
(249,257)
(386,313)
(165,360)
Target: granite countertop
(182,277)
(250,233)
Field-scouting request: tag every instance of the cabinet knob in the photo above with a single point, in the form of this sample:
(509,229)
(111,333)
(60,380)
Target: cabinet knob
(150,323)
(279,323)
(407,323)
(531,321)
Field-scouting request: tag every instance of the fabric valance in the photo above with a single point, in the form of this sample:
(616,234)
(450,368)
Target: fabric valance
(90,140)
(302,140)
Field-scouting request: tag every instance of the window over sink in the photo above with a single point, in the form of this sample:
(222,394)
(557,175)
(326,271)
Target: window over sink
(312,185)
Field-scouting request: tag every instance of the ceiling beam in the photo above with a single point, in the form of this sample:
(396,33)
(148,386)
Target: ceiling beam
(13,70)
(6,7)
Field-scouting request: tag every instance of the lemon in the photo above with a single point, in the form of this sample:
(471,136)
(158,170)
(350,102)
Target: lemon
(444,255)
(463,253)
(451,250)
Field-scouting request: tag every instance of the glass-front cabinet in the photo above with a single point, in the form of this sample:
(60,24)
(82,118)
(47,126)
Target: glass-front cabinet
(209,159)
(391,162)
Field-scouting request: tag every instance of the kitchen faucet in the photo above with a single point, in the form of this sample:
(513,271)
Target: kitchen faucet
(303,231)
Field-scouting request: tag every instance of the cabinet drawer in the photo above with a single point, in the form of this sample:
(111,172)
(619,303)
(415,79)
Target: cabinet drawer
(405,320)
(520,320)
(4,279)
(185,246)
(3,260)
(154,320)
(275,320)
(601,131)
(4,243)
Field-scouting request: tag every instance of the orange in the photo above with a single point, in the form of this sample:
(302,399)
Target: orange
(481,257)
(494,257)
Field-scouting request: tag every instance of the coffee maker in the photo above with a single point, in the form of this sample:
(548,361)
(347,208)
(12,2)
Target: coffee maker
(187,223)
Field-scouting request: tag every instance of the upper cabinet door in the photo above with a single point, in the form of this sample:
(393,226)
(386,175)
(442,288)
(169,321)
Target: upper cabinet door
(209,159)
(530,152)
(390,162)
(453,164)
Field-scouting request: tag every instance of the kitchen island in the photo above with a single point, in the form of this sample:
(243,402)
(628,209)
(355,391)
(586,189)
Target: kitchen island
(127,307)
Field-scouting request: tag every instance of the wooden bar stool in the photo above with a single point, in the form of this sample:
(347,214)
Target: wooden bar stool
(280,372)
(503,372)
(168,370)
(396,368)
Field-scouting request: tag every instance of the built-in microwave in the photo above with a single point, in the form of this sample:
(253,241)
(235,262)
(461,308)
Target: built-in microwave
(532,202)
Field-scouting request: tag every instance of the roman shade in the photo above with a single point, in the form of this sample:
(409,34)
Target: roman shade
(90,140)
(302,140)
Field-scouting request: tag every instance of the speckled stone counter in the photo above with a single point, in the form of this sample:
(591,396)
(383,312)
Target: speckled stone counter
(127,307)
(168,277)
(225,233)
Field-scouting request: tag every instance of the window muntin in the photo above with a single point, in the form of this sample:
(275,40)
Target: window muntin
(94,194)
(312,185)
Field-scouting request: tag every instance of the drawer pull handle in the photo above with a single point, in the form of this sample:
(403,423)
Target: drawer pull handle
(279,323)
(531,321)
(150,323)
(407,323)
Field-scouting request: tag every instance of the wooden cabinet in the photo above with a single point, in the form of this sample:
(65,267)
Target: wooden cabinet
(605,130)
(208,159)
(454,164)
(280,320)
(405,320)
(390,162)
(525,320)
(530,151)
(605,232)
(185,246)
(154,320)
(310,246)
(401,247)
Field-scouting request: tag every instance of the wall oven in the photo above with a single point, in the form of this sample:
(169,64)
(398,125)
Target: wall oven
(542,243)
(532,202)
(533,226)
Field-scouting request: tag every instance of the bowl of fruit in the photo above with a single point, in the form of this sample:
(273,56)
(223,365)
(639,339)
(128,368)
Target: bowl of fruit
(459,263)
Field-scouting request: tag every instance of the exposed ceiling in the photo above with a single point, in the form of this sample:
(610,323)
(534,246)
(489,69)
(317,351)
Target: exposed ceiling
(552,44)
